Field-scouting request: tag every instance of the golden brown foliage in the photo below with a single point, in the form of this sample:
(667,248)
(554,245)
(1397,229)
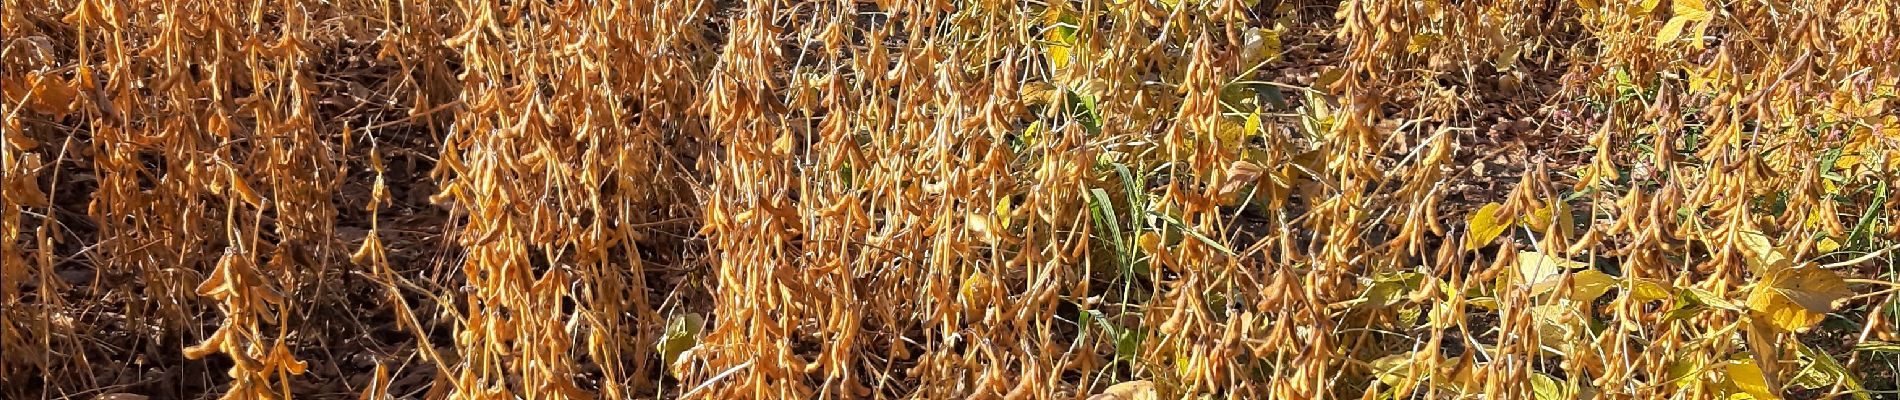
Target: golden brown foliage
(931,199)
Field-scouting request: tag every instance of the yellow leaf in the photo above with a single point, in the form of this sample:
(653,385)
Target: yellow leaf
(1252,127)
(1827,245)
(682,334)
(1700,81)
(1761,253)
(783,145)
(1059,55)
(1744,376)
(1694,9)
(1395,371)
(975,288)
(1671,30)
(1002,212)
(1686,11)
(1545,387)
(1558,326)
(1648,290)
(1587,285)
(1149,242)
(1485,226)
(1262,45)
(1419,42)
(1061,33)
(1541,219)
(981,224)
(1536,269)
(1794,299)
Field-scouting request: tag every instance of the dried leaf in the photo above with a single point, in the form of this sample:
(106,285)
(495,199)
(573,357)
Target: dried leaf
(1131,390)
(1239,174)
(1794,299)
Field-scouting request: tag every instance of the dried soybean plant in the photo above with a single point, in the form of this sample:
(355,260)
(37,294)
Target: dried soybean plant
(933,199)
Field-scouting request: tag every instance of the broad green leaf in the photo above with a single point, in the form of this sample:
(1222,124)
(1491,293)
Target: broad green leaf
(1236,97)
(1275,97)
(1794,299)
(1128,343)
